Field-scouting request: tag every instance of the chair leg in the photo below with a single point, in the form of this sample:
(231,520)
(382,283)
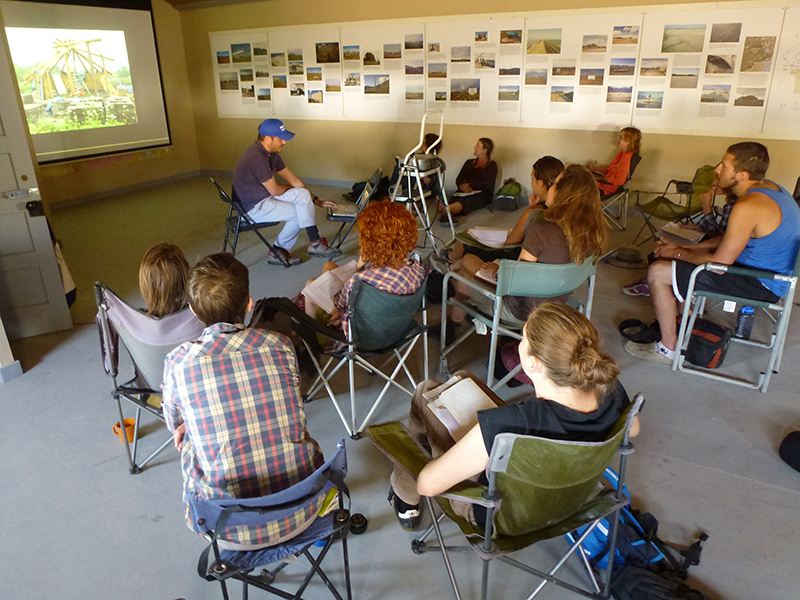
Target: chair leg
(443,548)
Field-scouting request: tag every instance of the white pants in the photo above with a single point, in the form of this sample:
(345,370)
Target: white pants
(295,206)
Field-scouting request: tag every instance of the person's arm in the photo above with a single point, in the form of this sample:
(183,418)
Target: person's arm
(517,233)
(617,172)
(171,409)
(274,188)
(467,458)
(461,180)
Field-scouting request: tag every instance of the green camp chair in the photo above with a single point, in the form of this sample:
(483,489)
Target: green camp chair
(515,278)
(379,322)
(696,305)
(664,209)
(538,489)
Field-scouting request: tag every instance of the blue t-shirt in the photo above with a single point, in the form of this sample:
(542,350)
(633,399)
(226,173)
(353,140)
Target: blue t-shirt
(253,168)
(777,251)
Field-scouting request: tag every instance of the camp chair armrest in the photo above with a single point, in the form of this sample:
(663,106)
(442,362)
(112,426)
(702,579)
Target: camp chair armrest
(743,271)
(471,493)
(475,284)
(394,441)
(269,306)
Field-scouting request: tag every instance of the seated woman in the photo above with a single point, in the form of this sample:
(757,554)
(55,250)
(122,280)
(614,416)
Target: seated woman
(163,280)
(573,229)
(614,176)
(543,176)
(578,397)
(475,182)
(387,233)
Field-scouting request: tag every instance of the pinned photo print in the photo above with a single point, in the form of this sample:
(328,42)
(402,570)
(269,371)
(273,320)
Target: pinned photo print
(725,33)
(511,36)
(465,90)
(315,96)
(313,73)
(240,53)
(245,74)
(223,57)
(414,92)
(229,81)
(481,36)
(260,50)
(509,71)
(327,52)
(749,96)
(757,54)
(414,67)
(296,67)
(295,54)
(535,76)
(592,77)
(720,64)
(683,38)
(437,70)
(622,67)
(370,60)
(279,81)
(352,80)
(262,73)
(440,96)
(508,93)
(413,41)
(625,35)
(460,54)
(392,51)
(716,94)
(264,94)
(297,89)
(248,92)
(484,60)
(562,93)
(653,67)
(649,99)
(434,47)
(333,85)
(376,84)
(563,68)
(544,41)
(352,53)
(621,94)
(278,59)
(594,43)
(684,78)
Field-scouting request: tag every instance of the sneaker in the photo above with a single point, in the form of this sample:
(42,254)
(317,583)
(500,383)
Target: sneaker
(640,287)
(321,248)
(407,514)
(440,264)
(656,352)
(274,257)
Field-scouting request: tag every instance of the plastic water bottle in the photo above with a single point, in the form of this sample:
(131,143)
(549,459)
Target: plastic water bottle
(744,322)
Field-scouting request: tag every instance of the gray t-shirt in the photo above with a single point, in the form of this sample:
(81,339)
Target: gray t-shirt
(253,168)
(549,245)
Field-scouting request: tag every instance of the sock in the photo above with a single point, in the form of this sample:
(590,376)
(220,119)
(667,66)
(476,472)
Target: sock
(313,233)
(664,351)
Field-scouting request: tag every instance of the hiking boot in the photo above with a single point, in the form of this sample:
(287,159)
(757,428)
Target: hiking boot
(407,514)
(640,287)
(440,264)
(320,248)
(273,258)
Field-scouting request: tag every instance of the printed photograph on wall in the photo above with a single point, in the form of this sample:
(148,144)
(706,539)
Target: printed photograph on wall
(297,89)
(461,54)
(465,90)
(414,67)
(508,93)
(684,78)
(592,76)
(245,74)
(414,92)
(484,60)
(371,59)
(264,94)
(594,43)
(720,64)
(351,53)
(757,54)
(563,68)
(315,96)
(240,53)
(440,96)
(625,35)
(376,84)
(228,80)
(392,51)
(562,93)
(262,74)
(716,94)
(511,36)
(260,51)
(437,70)
(622,67)
(296,67)
(312,73)
(327,52)
(294,54)
(434,47)
(621,94)
(653,67)
(278,81)
(333,85)
(223,57)
(544,41)
(248,92)
(725,33)
(535,76)
(683,38)
(352,80)
(652,99)
(278,59)
(509,71)
(413,41)
(749,96)
(481,36)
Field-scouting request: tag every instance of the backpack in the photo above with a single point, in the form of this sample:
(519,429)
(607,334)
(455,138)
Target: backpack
(629,582)
(708,344)
(507,198)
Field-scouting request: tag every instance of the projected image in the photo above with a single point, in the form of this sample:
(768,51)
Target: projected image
(72,79)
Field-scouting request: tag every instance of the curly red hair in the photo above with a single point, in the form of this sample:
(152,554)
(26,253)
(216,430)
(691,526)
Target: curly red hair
(387,233)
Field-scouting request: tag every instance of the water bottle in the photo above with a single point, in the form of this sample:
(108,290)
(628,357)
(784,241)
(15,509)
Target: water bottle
(744,322)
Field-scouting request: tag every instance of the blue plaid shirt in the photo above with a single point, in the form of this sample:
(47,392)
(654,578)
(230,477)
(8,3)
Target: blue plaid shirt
(237,391)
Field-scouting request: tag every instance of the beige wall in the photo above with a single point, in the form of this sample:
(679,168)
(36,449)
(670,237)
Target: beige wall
(349,151)
(92,177)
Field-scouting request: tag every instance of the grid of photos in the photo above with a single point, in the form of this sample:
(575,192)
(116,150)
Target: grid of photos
(243,69)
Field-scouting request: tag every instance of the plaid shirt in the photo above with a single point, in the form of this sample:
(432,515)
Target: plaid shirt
(237,391)
(401,282)
(716,227)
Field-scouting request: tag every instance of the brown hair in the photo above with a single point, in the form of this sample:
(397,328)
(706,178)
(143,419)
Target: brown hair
(567,345)
(488,145)
(430,138)
(634,138)
(751,158)
(219,289)
(387,232)
(547,169)
(578,212)
(163,277)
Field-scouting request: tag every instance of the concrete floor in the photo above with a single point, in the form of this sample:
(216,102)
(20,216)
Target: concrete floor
(77,525)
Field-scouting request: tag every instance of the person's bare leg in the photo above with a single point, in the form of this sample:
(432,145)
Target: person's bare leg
(470,265)
(659,276)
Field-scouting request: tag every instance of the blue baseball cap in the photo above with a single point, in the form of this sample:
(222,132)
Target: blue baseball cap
(275,128)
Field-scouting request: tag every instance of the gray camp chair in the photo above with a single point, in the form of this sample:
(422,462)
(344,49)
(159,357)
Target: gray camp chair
(148,340)
(695,305)
(618,217)
(538,489)
(515,278)
(380,323)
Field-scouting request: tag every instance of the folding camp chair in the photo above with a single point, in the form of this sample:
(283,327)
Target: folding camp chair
(664,209)
(218,517)
(538,489)
(515,278)
(619,198)
(347,215)
(238,221)
(379,323)
(148,340)
(695,304)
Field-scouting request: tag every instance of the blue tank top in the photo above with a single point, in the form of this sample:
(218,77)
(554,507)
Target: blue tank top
(777,251)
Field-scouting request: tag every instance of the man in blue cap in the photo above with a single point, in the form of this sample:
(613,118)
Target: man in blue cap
(266,200)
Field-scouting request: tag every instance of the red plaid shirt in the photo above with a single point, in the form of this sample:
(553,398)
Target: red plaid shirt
(237,391)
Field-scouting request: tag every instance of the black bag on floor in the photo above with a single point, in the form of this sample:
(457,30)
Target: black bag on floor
(629,582)
(708,344)
(790,450)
